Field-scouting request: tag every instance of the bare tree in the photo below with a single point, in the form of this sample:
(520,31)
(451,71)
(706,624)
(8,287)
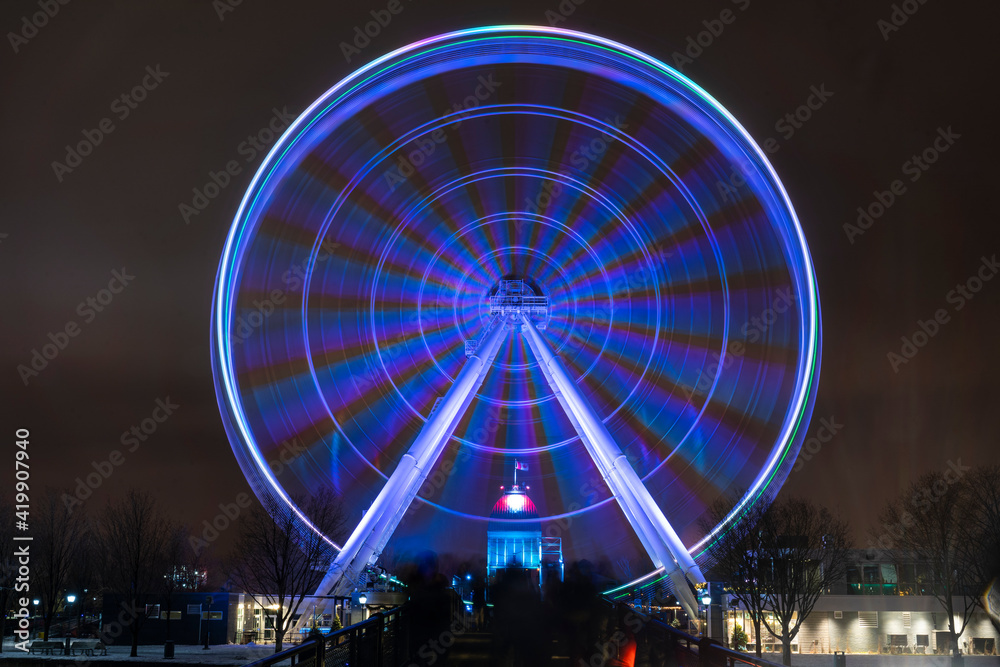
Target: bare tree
(804,551)
(135,538)
(83,572)
(278,563)
(737,553)
(933,533)
(979,545)
(58,536)
(179,562)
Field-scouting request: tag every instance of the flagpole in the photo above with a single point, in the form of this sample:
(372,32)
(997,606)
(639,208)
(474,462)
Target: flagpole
(515,473)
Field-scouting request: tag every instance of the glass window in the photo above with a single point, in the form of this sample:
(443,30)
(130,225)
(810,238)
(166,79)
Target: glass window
(907,579)
(924,579)
(853,580)
(872,583)
(889,580)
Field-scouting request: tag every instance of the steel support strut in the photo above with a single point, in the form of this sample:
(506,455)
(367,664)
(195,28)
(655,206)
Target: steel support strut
(658,537)
(368,540)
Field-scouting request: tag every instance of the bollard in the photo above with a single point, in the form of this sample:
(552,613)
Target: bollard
(839,659)
(168,649)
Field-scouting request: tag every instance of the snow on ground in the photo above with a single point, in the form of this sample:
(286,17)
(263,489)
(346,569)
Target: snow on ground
(225,654)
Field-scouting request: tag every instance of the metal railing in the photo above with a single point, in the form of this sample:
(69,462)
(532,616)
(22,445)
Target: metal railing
(381,641)
(657,643)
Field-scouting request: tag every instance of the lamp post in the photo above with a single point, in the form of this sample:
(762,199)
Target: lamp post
(208,616)
(70,599)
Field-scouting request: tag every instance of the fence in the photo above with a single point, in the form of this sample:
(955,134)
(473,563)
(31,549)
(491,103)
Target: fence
(381,641)
(657,643)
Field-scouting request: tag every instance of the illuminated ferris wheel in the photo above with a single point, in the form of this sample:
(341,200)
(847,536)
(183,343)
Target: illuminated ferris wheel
(517,242)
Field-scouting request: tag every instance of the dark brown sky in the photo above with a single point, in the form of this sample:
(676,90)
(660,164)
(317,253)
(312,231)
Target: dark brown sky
(119,208)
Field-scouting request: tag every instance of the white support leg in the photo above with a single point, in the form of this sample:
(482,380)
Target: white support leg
(658,537)
(380,521)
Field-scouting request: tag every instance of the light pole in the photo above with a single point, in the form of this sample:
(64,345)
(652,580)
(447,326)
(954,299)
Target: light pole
(71,599)
(208,616)
(35,604)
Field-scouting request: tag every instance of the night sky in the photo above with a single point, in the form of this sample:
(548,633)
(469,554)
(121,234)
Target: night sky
(215,80)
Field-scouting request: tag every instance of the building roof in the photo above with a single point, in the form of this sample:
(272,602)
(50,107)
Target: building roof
(514,512)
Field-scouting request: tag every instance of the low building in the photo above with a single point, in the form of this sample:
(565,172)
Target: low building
(884,604)
(184,617)
(514,539)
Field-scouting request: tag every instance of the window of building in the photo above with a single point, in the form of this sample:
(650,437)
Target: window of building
(923,640)
(907,579)
(152,611)
(923,579)
(868,619)
(890,583)
(853,580)
(897,640)
(872,582)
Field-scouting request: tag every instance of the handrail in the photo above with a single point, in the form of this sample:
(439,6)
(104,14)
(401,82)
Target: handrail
(370,632)
(683,649)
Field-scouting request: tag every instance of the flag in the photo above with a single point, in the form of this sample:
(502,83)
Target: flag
(520,466)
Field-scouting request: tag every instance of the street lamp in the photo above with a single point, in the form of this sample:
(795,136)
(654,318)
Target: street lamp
(71,599)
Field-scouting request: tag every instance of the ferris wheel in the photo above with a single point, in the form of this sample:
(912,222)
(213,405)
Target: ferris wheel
(522,242)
